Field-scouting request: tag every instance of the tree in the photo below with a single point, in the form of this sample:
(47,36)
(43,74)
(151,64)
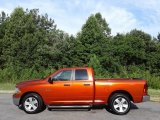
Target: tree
(131,48)
(3,22)
(158,37)
(26,38)
(136,48)
(95,64)
(103,24)
(93,38)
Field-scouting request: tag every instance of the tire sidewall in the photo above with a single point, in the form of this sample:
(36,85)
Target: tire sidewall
(114,97)
(38,98)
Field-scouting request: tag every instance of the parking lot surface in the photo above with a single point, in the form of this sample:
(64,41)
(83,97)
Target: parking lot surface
(141,111)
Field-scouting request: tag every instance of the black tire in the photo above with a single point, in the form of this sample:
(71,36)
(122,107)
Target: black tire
(120,104)
(36,101)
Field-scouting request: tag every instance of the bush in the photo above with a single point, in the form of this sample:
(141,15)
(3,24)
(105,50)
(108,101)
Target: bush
(13,75)
(134,72)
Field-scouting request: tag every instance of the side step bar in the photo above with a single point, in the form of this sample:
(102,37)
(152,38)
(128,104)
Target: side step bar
(70,107)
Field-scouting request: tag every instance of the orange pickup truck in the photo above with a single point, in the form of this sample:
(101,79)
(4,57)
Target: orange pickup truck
(77,88)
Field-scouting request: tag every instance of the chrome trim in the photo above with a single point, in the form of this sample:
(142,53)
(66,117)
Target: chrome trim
(146,98)
(97,101)
(16,90)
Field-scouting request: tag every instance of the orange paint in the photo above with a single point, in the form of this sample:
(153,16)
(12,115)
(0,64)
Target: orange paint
(82,92)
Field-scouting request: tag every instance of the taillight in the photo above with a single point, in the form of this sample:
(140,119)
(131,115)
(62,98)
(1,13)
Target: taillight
(146,89)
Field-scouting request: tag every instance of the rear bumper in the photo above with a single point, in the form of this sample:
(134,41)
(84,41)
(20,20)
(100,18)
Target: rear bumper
(146,98)
(16,100)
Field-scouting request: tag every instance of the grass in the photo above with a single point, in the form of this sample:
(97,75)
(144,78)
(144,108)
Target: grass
(155,95)
(7,86)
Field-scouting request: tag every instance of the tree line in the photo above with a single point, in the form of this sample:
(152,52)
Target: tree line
(31,46)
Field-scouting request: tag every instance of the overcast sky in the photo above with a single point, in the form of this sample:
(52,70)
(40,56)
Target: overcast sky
(121,15)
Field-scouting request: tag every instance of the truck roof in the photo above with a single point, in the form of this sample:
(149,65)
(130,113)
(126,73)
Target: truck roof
(78,68)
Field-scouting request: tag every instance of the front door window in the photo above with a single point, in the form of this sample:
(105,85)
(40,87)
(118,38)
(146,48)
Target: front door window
(64,75)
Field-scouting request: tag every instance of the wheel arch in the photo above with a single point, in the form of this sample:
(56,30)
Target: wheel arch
(122,92)
(26,93)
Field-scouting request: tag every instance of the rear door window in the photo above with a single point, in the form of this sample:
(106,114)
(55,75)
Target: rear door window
(81,74)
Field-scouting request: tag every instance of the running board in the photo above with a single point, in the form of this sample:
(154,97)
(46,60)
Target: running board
(70,107)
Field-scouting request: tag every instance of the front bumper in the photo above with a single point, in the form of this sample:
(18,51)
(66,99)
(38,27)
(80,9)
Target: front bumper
(16,100)
(146,98)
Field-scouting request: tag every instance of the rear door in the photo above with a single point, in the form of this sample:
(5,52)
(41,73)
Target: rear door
(82,87)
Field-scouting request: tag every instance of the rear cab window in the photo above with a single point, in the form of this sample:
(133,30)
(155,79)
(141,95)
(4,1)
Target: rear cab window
(81,74)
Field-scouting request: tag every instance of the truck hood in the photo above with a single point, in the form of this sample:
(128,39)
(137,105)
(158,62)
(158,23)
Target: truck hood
(30,82)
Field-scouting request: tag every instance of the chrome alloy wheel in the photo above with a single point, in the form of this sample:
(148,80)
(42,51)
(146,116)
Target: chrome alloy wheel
(120,104)
(31,104)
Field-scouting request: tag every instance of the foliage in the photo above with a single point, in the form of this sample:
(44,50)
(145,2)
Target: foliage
(31,46)
(95,64)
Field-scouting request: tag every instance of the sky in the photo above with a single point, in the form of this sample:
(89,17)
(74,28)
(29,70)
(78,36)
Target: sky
(121,15)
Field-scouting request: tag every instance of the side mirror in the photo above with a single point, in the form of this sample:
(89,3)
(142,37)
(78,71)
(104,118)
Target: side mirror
(50,80)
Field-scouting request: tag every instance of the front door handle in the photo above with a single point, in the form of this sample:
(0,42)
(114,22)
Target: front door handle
(66,84)
(86,84)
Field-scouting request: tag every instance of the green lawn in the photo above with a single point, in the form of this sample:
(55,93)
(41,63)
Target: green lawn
(7,86)
(155,94)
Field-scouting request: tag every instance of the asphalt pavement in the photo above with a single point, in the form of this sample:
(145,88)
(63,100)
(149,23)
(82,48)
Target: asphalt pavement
(140,111)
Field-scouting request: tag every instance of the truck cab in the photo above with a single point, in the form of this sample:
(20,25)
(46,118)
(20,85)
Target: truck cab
(74,86)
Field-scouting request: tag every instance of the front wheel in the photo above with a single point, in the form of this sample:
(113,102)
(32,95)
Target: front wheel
(32,103)
(120,103)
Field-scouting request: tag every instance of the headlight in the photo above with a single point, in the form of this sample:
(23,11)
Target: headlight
(17,90)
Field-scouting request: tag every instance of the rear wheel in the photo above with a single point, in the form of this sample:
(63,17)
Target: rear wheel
(120,103)
(32,103)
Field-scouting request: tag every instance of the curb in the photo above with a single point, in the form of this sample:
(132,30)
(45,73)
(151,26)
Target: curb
(6,91)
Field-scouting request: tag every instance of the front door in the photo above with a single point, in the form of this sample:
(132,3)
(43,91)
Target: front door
(60,92)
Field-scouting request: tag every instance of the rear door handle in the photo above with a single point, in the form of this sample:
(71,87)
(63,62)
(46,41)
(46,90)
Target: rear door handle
(66,84)
(86,84)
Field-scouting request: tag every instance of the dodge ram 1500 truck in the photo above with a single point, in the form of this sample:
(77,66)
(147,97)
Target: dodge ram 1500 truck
(77,88)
